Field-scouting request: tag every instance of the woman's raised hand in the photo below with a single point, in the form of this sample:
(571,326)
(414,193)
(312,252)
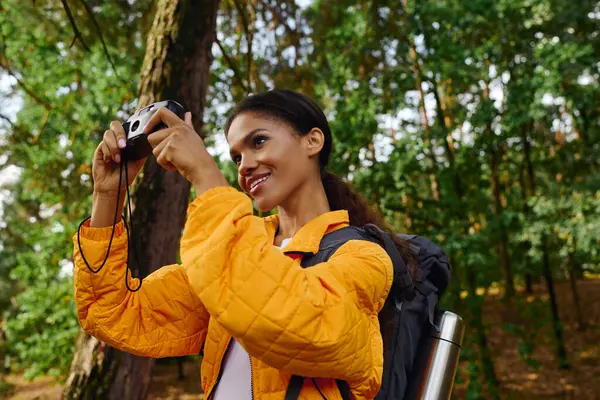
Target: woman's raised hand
(178,147)
(107,157)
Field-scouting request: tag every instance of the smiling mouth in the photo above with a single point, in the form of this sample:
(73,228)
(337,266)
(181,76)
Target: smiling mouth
(258,183)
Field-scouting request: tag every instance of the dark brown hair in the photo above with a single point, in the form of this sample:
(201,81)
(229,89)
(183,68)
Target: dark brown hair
(303,114)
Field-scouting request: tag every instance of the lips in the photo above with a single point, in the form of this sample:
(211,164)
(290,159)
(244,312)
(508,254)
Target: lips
(255,182)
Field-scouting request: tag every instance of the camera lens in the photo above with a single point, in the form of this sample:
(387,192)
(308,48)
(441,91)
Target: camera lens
(135,125)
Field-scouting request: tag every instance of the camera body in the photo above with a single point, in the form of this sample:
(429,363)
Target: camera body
(137,142)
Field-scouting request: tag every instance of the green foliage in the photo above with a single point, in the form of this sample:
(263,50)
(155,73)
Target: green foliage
(41,331)
(475,388)
(70,96)
(474,123)
(532,318)
(573,219)
(5,388)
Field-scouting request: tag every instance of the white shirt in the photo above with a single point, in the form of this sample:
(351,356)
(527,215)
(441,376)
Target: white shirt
(236,379)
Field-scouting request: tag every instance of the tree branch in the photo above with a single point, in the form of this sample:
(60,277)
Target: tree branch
(42,126)
(293,33)
(4,117)
(35,98)
(280,18)
(74,25)
(5,64)
(232,65)
(91,14)
(249,40)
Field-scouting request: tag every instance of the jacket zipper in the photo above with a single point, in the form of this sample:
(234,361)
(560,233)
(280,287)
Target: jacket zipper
(212,389)
(251,378)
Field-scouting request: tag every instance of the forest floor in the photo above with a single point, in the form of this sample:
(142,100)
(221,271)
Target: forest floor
(518,380)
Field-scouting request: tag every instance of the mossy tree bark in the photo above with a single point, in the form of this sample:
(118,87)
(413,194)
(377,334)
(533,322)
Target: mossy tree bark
(176,66)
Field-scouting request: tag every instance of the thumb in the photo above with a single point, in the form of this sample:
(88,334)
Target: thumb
(99,155)
(188,118)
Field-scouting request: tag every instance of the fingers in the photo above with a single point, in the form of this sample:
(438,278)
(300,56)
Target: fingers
(158,148)
(120,133)
(158,137)
(163,115)
(99,153)
(113,140)
(162,154)
(105,151)
(110,148)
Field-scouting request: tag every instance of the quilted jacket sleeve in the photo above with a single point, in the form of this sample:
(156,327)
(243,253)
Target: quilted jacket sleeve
(309,322)
(164,318)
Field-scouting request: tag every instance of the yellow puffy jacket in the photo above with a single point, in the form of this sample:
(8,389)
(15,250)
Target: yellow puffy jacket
(232,282)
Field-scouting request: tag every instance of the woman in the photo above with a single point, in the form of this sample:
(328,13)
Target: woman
(259,316)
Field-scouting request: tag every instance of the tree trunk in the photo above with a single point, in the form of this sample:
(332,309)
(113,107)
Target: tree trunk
(495,157)
(576,301)
(435,187)
(525,246)
(503,244)
(558,331)
(571,268)
(3,366)
(176,66)
(528,281)
(444,121)
(561,350)
(487,361)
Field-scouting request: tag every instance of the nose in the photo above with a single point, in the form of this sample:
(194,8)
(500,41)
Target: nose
(247,165)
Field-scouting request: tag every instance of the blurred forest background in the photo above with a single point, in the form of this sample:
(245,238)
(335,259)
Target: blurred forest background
(475,123)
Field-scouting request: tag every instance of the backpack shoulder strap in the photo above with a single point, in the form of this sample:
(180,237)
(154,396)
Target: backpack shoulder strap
(333,241)
(294,387)
(403,287)
(296,383)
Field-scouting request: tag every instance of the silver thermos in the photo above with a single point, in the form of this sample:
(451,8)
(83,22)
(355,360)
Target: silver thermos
(438,365)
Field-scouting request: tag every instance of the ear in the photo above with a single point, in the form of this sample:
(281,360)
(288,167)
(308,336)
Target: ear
(314,141)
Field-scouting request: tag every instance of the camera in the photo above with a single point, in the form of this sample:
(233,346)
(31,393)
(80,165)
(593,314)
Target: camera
(137,142)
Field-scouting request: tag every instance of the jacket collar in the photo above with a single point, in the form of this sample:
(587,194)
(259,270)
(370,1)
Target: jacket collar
(308,238)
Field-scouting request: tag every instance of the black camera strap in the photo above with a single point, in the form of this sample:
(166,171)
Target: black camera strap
(127,208)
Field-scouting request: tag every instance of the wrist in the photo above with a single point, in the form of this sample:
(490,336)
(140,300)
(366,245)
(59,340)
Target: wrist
(203,171)
(110,195)
(104,205)
(209,182)
(206,176)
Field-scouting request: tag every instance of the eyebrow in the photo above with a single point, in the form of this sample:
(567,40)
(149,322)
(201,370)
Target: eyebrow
(248,138)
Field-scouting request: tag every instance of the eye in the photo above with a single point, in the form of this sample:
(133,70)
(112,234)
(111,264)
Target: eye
(236,159)
(259,141)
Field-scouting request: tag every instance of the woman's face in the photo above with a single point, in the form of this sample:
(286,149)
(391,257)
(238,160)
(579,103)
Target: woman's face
(272,160)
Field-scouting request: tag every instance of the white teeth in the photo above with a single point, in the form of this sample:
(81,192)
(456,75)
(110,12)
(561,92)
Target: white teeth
(256,182)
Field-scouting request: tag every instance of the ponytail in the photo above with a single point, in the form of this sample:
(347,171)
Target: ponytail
(341,196)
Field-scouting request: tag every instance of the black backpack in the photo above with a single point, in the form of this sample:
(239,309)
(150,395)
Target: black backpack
(408,313)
